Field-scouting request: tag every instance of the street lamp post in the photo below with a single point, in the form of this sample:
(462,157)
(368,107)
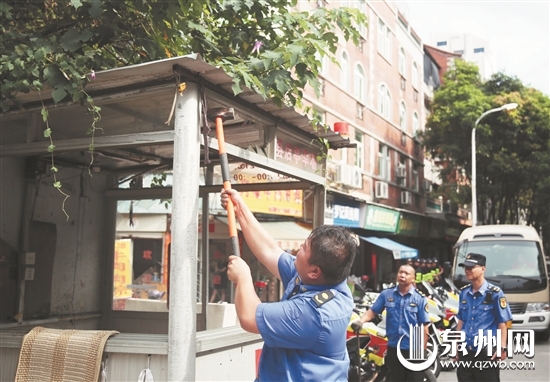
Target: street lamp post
(508,106)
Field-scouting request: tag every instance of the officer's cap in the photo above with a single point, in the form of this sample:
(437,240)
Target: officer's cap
(473,259)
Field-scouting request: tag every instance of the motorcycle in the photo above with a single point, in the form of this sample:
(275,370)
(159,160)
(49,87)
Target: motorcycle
(367,349)
(359,287)
(444,301)
(447,302)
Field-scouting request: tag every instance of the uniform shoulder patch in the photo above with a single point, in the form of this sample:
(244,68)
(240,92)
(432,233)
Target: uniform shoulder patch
(420,292)
(495,289)
(502,302)
(465,286)
(323,297)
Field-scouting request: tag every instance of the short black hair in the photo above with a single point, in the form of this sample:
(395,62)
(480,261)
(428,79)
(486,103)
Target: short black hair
(332,249)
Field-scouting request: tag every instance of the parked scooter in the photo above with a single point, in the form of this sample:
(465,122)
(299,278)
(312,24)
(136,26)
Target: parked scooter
(448,301)
(367,349)
(359,287)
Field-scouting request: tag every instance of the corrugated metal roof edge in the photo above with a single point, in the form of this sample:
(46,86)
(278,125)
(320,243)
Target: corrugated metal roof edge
(163,70)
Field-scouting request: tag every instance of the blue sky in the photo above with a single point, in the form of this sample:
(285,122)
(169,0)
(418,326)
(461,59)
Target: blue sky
(518,32)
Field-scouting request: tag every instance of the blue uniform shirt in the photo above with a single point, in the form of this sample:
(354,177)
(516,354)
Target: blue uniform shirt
(478,311)
(401,311)
(304,341)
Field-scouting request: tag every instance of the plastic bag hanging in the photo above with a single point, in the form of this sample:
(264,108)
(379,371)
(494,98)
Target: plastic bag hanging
(103,374)
(146,375)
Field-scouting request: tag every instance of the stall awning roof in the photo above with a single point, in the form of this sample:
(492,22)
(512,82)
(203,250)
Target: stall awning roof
(399,251)
(289,235)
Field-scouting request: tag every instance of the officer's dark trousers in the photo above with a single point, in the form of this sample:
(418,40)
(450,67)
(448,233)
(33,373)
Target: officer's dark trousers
(479,370)
(398,372)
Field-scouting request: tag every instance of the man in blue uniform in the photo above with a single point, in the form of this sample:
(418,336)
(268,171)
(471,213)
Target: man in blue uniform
(482,307)
(404,306)
(304,334)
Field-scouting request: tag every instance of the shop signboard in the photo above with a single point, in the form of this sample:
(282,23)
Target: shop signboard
(408,224)
(453,231)
(381,219)
(425,227)
(346,213)
(123,268)
(292,152)
(277,202)
(437,229)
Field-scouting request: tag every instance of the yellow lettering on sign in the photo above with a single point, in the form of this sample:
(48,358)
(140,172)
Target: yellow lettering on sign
(122,268)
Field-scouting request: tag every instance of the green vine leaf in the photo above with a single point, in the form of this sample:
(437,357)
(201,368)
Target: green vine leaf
(76,3)
(45,114)
(96,9)
(51,148)
(236,88)
(58,94)
(54,169)
(57,184)
(47,133)
(71,40)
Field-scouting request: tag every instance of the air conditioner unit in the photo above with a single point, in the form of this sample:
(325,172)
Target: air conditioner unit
(344,174)
(426,185)
(401,171)
(356,177)
(406,197)
(380,190)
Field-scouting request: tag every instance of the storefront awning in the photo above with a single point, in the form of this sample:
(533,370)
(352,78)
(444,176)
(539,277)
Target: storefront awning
(399,251)
(288,235)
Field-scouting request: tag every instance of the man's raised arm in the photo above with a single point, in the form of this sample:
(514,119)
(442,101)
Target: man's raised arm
(261,243)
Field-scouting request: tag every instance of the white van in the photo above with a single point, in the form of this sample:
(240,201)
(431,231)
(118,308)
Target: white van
(516,264)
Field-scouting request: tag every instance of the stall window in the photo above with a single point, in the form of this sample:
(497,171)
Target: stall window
(141,251)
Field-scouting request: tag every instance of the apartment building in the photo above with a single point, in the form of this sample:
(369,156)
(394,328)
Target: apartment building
(377,92)
(470,47)
(375,96)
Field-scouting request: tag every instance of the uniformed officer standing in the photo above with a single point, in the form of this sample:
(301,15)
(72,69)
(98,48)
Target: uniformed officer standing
(304,334)
(482,307)
(404,306)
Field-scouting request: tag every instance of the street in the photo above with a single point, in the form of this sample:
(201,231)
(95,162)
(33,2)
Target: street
(540,374)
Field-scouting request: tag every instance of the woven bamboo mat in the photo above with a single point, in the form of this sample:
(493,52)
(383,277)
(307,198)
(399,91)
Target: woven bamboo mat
(61,355)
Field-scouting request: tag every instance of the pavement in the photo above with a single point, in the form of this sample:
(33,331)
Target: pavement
(541,372)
